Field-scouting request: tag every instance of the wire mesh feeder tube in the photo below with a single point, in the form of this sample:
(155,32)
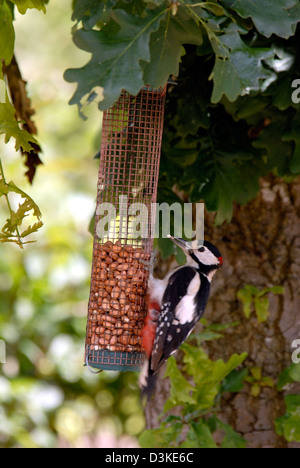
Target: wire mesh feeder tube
(127,188)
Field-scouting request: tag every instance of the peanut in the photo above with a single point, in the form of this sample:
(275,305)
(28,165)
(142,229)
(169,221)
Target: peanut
(115,294)
(115,304)
(116,248)
(117,308)
(113,340)
(105,304)
(123,266)
(106,318)
(122,298)
(108,246)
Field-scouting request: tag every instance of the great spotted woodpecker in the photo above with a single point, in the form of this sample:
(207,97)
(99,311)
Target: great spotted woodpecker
(181,297)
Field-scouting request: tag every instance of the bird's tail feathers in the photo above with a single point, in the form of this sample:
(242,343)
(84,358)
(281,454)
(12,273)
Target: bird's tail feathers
(147,380)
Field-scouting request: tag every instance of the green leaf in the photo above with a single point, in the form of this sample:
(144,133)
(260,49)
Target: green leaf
(31,229)
(91,11)
(183,155)
(10,231)
(199,436)
(209,333)
(222,177)
(222,326)
(232,439)
(207,388)
(207,374)
(256,373)
(293,135)
(245,295)
(295,372)
(180,256)
(289,375)
(11,129)
(276,289)
(164,246)
(249,295)
(274,146)
(163,437)
(245,107)
(192,114)
(239,70)
(278,17)
(262,308)
(8,124)
(267,382)
(280,91)
(289,424)
(181,389)
(116,54)
(24,5)
(222,369)
(255,390)
(166,46)
(5,188)
(234,382)
(7,36)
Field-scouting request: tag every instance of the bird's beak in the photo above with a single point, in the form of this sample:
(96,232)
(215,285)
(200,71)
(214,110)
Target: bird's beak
(180,243)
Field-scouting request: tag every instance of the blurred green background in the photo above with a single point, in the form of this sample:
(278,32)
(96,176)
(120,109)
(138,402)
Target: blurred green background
(47,397)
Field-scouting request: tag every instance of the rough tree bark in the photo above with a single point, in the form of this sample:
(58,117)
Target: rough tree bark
(261,246)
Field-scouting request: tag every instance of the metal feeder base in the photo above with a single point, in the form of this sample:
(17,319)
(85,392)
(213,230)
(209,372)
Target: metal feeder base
(114,360)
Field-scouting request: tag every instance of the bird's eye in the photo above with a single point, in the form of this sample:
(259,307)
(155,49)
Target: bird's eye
(202,249)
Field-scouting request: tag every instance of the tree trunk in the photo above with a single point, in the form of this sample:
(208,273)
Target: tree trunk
(261,247)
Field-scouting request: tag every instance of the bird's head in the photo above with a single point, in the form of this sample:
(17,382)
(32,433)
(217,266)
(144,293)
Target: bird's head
(204,256)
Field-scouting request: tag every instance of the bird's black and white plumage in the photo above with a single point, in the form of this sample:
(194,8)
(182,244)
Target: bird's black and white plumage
(182,297)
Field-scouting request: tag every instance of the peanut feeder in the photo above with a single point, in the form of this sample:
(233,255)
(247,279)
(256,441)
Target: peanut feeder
(127,188)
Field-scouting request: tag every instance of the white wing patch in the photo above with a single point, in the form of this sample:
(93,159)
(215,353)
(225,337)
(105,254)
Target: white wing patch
(185,309)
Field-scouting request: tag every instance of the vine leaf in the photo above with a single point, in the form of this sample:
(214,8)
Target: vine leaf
(116,54)
(278,17)
(11,230)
